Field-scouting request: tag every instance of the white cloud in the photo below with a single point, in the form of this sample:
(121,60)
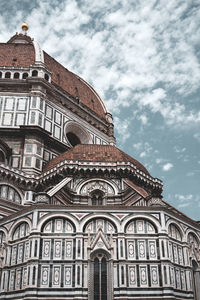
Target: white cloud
(132,54)
(123,129)
(184,200)
(168,166)
(159,160)
(143,118)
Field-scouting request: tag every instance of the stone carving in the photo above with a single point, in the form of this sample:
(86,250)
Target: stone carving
(102,186)
(42,198)
(155,201)
(194,252)
(2,253)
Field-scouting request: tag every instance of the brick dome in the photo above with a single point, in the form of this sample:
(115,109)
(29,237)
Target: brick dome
(95,153)
(20,51)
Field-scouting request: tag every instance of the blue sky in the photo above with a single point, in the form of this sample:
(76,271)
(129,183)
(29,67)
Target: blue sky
(143,58)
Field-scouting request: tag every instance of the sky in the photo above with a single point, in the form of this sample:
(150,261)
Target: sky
(143,58)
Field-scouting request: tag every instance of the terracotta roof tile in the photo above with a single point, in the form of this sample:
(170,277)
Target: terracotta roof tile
(18,55)
(95,153)
(74,85)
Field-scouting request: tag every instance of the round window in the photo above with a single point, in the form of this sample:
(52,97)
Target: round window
(73,139)
(75,134)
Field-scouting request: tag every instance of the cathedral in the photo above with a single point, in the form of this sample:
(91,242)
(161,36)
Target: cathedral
(79,218)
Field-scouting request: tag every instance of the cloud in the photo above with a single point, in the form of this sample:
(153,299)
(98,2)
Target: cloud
(167,167)
(187,200)
(179,150)
(184,200)
(143,118)
(134,54)
(123,129)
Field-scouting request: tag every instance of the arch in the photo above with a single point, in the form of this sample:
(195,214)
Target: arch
(175,232)
(87,181)
(7,75)
(34,73)
(44,219)
(25,75)
(140,226)
(97,251)
(10,193)
(91,216)
(97,197)
(127,220)
(18,223)
(193,238)
(100,275)
(5,151)
(20,231)
(101,221)
(177,226)
(16,75)
(3,229)
(58,224)
(75,134)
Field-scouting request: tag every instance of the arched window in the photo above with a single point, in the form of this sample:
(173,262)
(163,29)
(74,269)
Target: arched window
(0,74)
(97,198)
(35,73)
(104,224)
(174,232)
(21,231)
(9,193)
(25,75)
(140,226)
(100,271)
(192,239)
(97,185)
(16,75)
(76,134)
(46,77)
(73,139)
(60,225)
(7,75)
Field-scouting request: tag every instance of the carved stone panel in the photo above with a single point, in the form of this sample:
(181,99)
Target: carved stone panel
(143,276)
(131,250)
(152,249)
(46,250)
(132,276)
(56,274)
(68,276)
(45,275)
(154,275)
(142,249)
(57,249)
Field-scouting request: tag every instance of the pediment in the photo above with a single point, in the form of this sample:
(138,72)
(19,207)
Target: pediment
(100,241)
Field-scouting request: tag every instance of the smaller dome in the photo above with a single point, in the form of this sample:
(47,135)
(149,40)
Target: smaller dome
(95,153)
